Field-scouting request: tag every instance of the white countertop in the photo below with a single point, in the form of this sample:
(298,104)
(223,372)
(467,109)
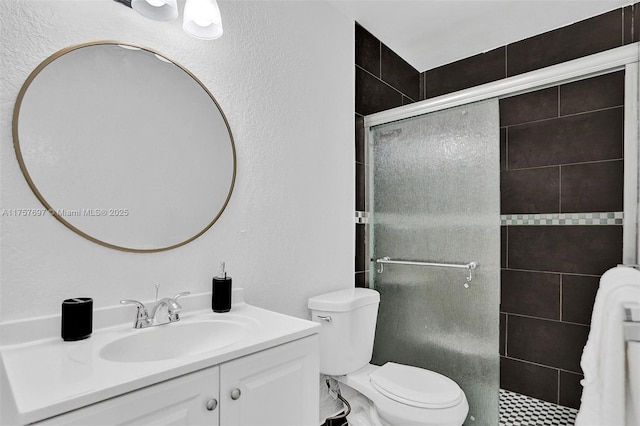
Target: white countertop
(50,377)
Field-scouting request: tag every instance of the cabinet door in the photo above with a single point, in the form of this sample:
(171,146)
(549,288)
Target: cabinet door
(180,401)
(275,387)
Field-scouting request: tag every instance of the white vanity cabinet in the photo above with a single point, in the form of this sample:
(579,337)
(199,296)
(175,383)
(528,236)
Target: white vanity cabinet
(181,401)
(276,387)
(272,387)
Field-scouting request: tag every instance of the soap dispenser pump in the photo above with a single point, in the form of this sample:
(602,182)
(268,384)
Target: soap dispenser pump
(221,291)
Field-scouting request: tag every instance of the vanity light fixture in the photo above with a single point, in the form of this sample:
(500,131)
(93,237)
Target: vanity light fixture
(202,18)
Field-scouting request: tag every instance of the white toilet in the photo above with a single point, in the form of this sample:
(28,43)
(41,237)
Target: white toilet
(396,394)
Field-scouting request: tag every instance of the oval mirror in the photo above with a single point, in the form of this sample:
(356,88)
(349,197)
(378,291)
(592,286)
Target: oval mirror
(124,146)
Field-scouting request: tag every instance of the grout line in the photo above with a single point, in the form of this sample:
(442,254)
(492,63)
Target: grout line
(552,272)
(558,394)
(560,188)
(506,61)
(380,58)
(559,108)
(546,319)
(633,21)
(567,115)
(506,149)
(622,28)
(529,270)
(562,370)
(543,365)
(506,252)
(560,297)
(506,332)
(592,111)
(570,164)
(533,363)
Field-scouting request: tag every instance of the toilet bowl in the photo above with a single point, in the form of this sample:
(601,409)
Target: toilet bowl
(408,396)
(389,395)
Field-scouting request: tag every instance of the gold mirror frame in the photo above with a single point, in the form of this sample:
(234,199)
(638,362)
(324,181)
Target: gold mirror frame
(40,197)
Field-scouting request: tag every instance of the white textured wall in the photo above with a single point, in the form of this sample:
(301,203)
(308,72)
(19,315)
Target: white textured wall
(283,74)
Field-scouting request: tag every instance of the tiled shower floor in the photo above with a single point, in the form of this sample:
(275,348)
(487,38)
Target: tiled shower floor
(520,410)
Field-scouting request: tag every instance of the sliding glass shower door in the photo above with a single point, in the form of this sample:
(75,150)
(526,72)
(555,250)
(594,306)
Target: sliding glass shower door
(435,198)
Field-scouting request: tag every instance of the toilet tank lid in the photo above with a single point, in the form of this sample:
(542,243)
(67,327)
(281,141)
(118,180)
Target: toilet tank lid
(344,300)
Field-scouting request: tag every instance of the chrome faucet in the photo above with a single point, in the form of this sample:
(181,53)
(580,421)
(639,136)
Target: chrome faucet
(144,320)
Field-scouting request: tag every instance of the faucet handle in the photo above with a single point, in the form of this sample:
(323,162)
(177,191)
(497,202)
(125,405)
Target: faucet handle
(175,307)
(142,316)
(184,293)
(133,302)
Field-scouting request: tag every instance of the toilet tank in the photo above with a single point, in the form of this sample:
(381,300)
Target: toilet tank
(348,325)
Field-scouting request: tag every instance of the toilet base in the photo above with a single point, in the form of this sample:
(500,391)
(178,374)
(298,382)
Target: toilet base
(363,412)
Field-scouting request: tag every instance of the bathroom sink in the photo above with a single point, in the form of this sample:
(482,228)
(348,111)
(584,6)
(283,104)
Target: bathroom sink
(174,340)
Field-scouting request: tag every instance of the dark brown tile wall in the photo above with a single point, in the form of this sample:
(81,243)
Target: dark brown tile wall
(555,344)
(399,74)
(529,379)
(529,107)
(530,190)
(373,94)
(503,335)
(592,94)
(383,80)
(578,296)
(530,293)
(469,72)
(569,249)
(592,136)
(593,35)
(562,153)
(583,38)
(570,389)
(593,187)
(367,51)
(627,26)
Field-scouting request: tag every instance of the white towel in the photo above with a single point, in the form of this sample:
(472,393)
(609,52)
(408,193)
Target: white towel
(603,358)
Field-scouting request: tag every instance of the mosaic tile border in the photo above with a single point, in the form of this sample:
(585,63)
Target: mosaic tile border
(362,217)
(604,218)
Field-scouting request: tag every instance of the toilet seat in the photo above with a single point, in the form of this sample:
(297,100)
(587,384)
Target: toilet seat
(403,410)
(415,386)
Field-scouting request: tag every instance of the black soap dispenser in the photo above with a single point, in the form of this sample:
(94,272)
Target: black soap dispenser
(221,292)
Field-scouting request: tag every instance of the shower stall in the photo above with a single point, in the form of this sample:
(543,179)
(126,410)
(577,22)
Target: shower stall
(435,224)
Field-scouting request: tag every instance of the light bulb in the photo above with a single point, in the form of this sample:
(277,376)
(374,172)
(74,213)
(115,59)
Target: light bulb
(202,19)
(158,10)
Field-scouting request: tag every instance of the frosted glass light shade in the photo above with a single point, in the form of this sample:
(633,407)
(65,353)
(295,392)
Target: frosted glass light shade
(202,19)
(158,10)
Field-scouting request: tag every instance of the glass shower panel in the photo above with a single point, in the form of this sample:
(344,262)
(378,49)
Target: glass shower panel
(436,198)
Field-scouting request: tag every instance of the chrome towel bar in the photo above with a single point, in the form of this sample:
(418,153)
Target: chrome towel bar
(468,266)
